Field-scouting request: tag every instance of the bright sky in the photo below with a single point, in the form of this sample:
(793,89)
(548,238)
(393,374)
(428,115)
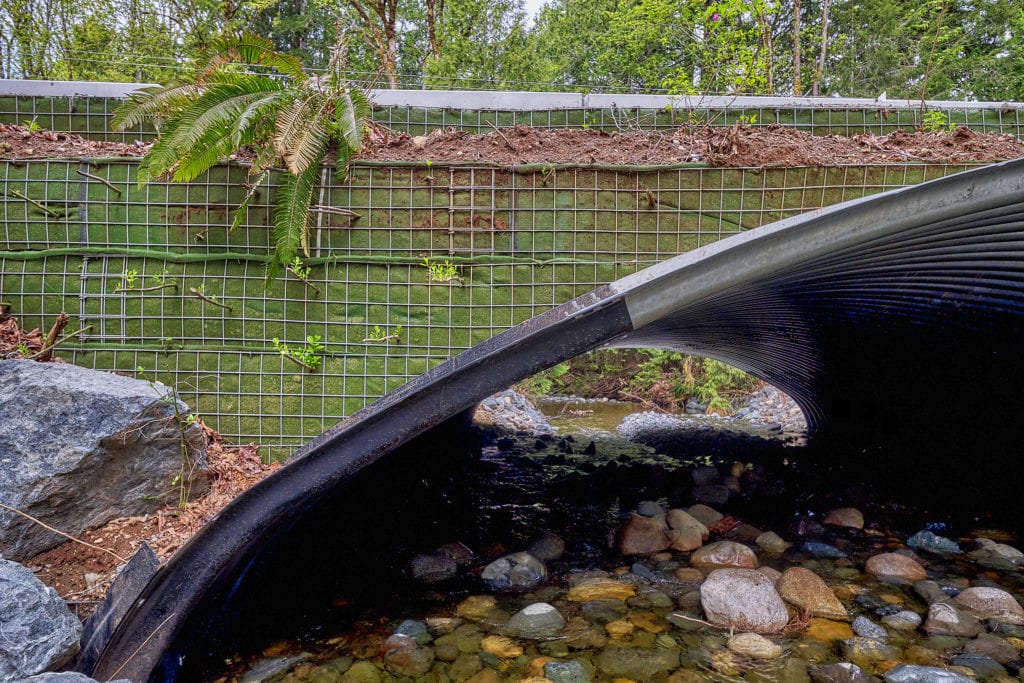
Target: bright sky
(532,8)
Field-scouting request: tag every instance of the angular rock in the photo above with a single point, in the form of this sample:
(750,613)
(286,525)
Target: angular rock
(743,599)
(930,591)
(754,645)
(895,568)
(68,433)
(819,549)
(848,517)
(987,602)
(724,554)
(806,590)
(927,541)
(539,620)
(946,620)
(827,631)
(912,673)
(37,632)
(643,535)
(518,571)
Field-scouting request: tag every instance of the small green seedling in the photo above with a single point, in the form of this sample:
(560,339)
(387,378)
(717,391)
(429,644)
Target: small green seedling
(302,272)
(32,125)
(937,122)
(380,335)
(442,272)
(129,279)
(308,356)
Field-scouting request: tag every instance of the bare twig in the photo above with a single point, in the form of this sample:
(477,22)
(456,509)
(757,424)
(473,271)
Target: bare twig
(498,131)
(58,326)
(680,615)
(42,207)
(57,343)
(208,299)
(146,289)
(61,533)
(647,404)
(102,180)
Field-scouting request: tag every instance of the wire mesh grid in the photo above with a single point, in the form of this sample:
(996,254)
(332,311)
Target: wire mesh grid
(409,265)
(418,112)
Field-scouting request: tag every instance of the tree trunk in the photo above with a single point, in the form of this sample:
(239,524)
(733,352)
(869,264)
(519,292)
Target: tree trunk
(797,66)
(824,46)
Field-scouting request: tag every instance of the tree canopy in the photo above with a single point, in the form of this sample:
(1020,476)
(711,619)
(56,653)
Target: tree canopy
(939,49)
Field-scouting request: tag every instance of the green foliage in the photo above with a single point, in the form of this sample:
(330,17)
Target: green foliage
(655,376)
(937,122)
(243,93)
(380,335)
(545,383)
(442,271)
(308,356)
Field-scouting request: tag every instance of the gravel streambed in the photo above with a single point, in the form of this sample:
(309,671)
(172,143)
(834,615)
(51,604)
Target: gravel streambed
(680,554)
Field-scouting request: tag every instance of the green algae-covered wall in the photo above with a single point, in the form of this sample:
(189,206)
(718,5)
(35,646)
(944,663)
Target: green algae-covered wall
(73,232)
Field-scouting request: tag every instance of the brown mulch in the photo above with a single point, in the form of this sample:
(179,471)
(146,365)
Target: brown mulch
(83,574)
(734,146)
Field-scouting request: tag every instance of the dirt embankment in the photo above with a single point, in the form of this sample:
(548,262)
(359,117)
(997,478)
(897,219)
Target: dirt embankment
(735,146)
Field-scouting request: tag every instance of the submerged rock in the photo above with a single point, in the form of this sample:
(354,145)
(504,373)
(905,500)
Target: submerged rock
(912,673)
(743,599)
(895,568)
(724,554)
(636,663)
(946,620)
(643,535)
(806,590)
(927,541)
(847,517)
(518,571)
(754,645)
(539,620)
(991,603)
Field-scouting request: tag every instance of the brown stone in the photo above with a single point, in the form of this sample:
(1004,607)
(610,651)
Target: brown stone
(827,631)
(848,517)
(724,554)
(642,535)
(895,567)
(805,589)
(600,589)
(987,602)
(502,647)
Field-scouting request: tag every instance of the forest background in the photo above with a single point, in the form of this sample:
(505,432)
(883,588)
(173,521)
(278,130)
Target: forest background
(906,49)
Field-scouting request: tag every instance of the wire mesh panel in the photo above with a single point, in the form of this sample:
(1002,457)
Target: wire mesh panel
(86,108)
(409,265)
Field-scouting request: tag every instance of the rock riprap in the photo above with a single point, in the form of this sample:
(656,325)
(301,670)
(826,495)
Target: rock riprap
(37,632)
(80,447)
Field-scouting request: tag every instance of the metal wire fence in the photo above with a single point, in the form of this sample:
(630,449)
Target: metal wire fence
(86,109)
(161,284)
(410,263)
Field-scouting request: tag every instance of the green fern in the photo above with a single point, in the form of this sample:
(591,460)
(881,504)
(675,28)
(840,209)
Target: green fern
(243,93)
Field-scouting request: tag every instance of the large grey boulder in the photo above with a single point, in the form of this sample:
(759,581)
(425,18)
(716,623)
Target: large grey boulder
(80,447)
(37,632)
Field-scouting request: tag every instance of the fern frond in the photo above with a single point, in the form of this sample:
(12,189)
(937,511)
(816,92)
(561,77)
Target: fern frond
(156,103)
(249,49)
(291,217)
(302,136)
(351,108)
(240,212)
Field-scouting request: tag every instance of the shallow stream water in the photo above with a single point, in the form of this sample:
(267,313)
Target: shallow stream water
(446,622)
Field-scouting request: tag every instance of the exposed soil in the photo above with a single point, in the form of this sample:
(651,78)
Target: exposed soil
(82,574)
(735,146)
